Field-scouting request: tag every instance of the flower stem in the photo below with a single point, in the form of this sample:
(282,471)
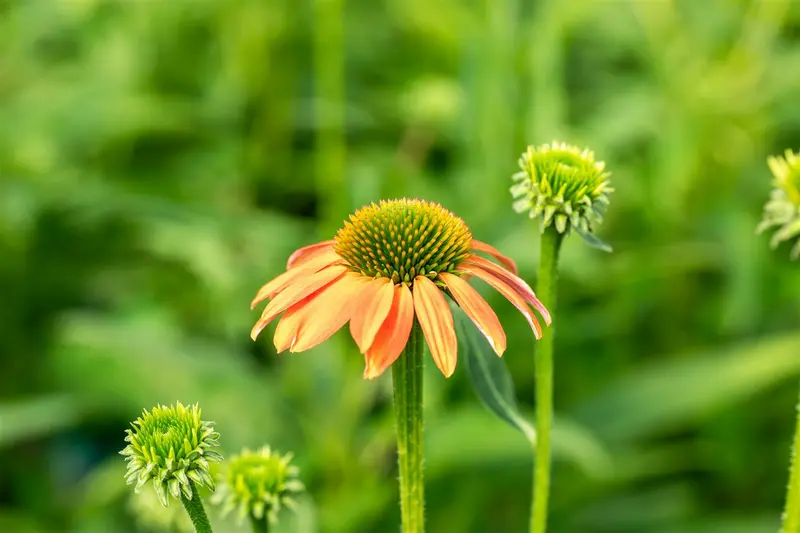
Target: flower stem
(407,381)
(259,525)
(546,292)
(196,511)
(791,514)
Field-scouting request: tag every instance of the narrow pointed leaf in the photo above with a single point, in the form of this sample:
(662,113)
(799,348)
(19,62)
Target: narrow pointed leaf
(489,375)
(592,240)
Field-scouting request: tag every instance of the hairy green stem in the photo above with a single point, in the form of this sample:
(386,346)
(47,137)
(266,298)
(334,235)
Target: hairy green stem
(546,292)
(407,381)
(791,514)
(196,511)
(259,525)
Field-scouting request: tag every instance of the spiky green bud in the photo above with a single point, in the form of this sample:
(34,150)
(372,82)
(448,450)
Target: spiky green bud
(783,208)
(258,483)
(564,186)
(172,447)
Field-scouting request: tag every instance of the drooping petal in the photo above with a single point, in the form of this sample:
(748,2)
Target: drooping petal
(392,335)
(278,283)
(294,317)
(301,255)
(517,283)
(477,310)
(509,292)
(494,252)
(296,292)
(275,285)
(328,312)
(286,330)
(371,311)
(436,321)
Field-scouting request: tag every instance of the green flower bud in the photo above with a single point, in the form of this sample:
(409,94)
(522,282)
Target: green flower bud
(564,186)
(258,484)
(172,447)
(783,208)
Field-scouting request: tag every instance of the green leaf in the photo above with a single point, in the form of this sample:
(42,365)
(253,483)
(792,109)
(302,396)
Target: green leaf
(489,376)
(592,240)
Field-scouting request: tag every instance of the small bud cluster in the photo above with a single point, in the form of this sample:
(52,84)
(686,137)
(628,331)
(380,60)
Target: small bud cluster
(171,447)
(562,185)
(783,208)
(259,484)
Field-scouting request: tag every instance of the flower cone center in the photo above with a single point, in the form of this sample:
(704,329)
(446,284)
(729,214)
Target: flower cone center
(403,239)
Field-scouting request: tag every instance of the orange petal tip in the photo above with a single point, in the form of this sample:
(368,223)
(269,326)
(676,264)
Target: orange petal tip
(436,320)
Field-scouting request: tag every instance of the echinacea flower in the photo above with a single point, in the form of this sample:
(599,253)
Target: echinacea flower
(562,185)
(171,447)
(783,207)
(391,263)
(259,484)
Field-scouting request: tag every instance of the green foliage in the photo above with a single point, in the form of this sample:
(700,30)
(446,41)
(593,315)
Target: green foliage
(490,377)
(160,160)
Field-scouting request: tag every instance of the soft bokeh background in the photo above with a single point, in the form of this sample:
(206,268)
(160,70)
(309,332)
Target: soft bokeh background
(159,160)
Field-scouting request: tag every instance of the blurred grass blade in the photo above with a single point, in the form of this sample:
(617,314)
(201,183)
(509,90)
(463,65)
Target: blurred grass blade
(578,444)
(489,376)
(463,439)
(330,135)
(675,393)
(29,419)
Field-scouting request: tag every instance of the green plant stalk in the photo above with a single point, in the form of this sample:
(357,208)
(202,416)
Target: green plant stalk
(546,292)
(407,382)
(791,513)
(196,511)
(259,525)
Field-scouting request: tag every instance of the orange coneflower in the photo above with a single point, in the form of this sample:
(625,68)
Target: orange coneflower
(393,261)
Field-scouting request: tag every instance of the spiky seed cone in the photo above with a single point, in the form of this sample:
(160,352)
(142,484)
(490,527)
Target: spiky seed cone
(172,447)
(402,239)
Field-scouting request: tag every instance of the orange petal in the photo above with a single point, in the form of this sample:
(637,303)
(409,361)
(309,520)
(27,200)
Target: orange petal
(301,255)
(477,310)
(329,311)
(494,252)
(370,311)
(274,286)
(393,334)
(436,321)
(296,292)
(517,283)
(509,292)
(286,330)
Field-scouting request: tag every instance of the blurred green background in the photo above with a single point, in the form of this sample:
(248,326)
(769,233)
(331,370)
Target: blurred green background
(160,159)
